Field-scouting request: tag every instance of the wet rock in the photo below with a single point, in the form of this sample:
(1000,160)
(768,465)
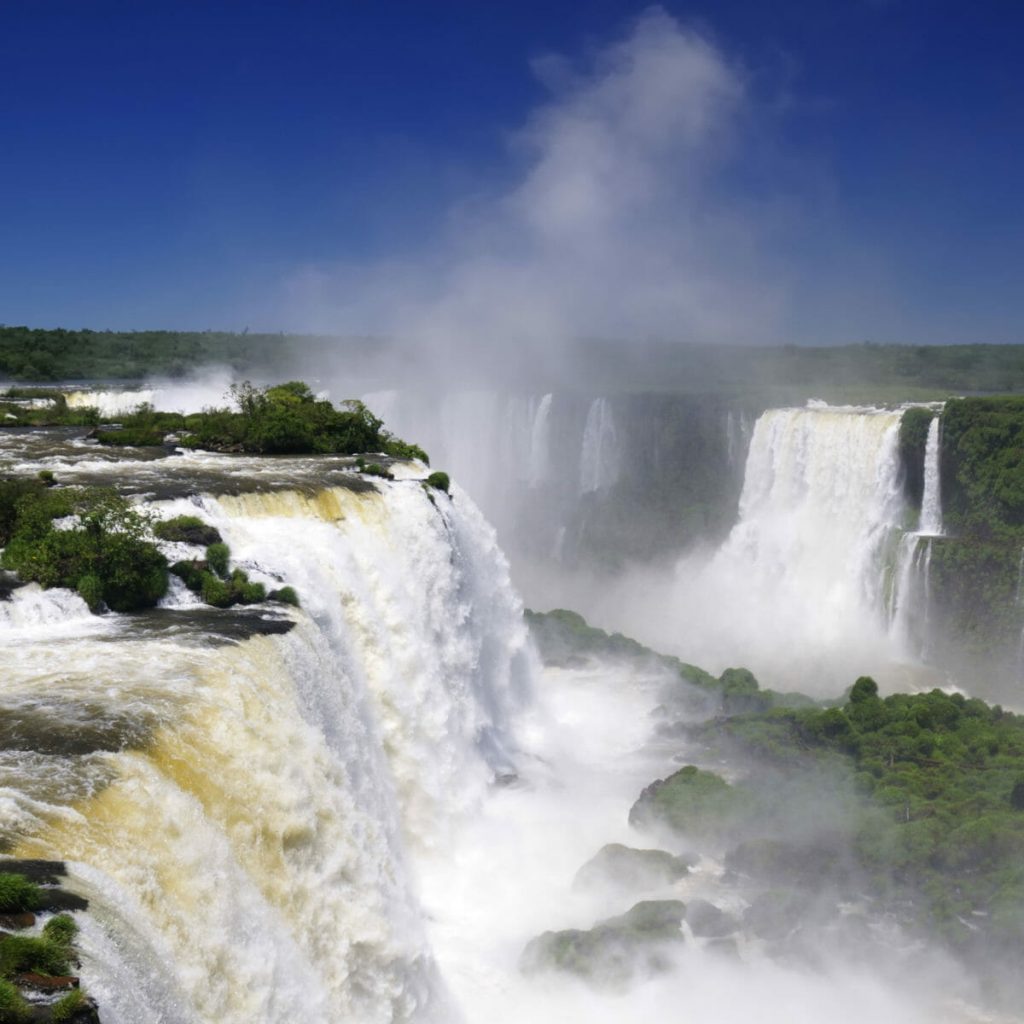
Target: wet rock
(625,867)
(42,872)
(46,982)
(23,920)
(59,900)
(610,953)
(708,921)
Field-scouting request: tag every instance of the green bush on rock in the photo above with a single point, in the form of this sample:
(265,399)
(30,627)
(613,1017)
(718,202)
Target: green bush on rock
(187,530)
(17,893)
(103,552)
(13,1007)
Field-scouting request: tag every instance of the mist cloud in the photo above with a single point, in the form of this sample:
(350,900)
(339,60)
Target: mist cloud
(619,224)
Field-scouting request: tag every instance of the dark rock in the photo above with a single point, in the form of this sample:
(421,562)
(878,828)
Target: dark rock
(708,921)
(22,920)
(42,872)
(59,900)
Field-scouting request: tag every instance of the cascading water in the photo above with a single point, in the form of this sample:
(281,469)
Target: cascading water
(601,451)
(931,501)
(240,813)
(797,590)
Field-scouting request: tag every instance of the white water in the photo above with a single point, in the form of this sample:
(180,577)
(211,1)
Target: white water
(797,592)
(248,861)
(169,396)
(601,453)
(931,501)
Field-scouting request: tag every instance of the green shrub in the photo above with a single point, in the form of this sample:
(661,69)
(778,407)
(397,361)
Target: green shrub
(132,437)
(244,591)
(67,1006)
(46,476)
(284,595)
(439,481)
(13,1008)
(375,469)
(109,544)
(187,530)
(60,930)
(190,574)
(17,893)
(19,953)
(216,591)
(217,556)
(90,589)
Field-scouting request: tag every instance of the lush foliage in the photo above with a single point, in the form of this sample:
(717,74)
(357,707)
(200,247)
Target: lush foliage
(17,893)
(289,419)
(13,1007)
(101,548)
(983,468)
(931,787)
(439,481)
(186,530)
(913,440)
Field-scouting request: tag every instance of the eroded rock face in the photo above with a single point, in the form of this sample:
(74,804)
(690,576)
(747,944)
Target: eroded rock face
(615,949)
(632,870)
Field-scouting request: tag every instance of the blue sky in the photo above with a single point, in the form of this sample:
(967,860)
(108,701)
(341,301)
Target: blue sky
(316,165)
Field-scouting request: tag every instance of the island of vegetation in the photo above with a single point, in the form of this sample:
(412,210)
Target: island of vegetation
(36,963)
(911,805)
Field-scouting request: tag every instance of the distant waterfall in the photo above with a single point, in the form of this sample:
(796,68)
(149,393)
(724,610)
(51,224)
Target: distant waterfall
(600,455)
(540,442)
(245,844)
(797,590)
(931,502)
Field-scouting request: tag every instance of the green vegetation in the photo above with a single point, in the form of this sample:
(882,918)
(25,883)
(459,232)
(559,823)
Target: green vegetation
(289,419)
(983,468)
(439,481)
(13,1007)
(103,552)
(374,469)
(930,788)
(187,530)
(17,893)
(611,951)
(284,595)
(20,953)
(913,440)
(691,801)
(217,556)
(220,586)
(67,1006)
(60,930)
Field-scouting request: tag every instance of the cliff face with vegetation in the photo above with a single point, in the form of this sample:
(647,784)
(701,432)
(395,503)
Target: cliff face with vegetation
(975,586)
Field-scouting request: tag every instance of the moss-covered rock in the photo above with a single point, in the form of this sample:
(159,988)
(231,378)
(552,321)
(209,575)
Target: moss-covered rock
(633,870)
(613,950)
(690,801)
(187,530)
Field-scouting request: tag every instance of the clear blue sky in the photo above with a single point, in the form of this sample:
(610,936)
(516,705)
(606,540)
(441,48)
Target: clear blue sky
(171,164)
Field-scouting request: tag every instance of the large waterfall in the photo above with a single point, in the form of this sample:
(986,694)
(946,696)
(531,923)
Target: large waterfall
(242,813)
(798,591)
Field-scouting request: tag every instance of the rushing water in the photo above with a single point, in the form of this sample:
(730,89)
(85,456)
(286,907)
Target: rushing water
(242,812)
(366,816)
(931,501)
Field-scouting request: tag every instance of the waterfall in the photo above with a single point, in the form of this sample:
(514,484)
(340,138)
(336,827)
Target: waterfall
(797,591)
(931,501)
(540,442)
(600,453)
(241,813)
